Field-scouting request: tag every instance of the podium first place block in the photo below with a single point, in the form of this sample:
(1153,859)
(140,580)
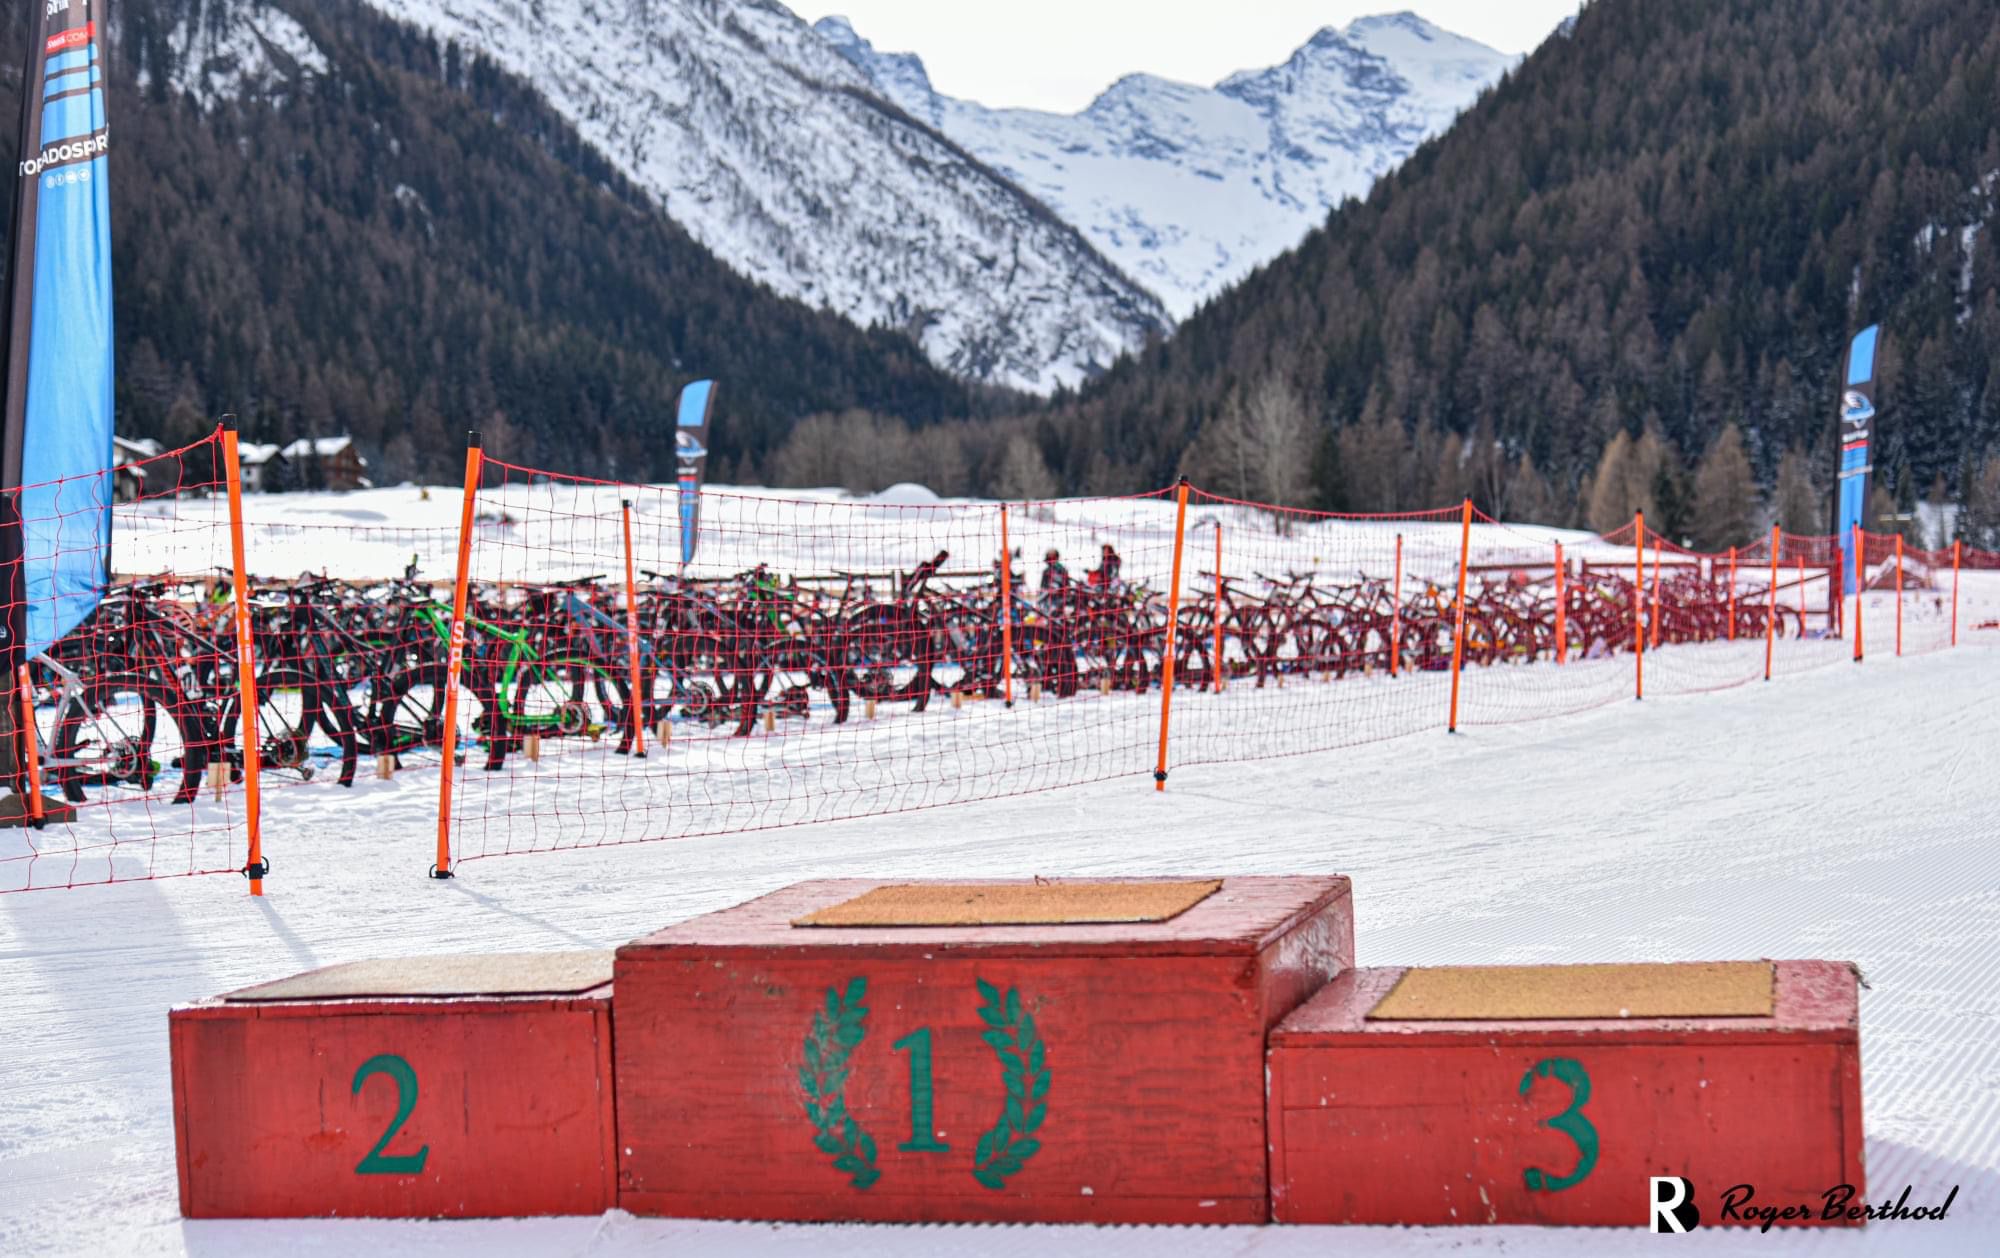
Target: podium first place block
(442,1087)
(1552,1095)
(1045,1052)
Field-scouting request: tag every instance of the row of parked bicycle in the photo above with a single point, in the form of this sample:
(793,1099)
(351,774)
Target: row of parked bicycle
(144,695)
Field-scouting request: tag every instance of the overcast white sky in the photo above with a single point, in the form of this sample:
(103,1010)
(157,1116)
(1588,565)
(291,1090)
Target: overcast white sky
(1059,54)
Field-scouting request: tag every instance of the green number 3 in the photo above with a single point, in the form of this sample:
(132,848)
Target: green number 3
(376,1163)
(1570,1122)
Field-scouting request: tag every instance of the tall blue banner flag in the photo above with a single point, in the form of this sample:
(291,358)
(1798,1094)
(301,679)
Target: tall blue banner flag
(1857,430)
(58,410)
(691,458)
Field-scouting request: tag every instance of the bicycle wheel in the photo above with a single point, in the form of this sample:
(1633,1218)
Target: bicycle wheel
(568,698)
(409,714)
(291,708)
(123,733)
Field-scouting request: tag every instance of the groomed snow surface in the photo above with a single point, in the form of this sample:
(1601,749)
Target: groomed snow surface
(1840,812)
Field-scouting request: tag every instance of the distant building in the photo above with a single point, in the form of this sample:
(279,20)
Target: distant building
(340,465)
(141,469)
(263,467)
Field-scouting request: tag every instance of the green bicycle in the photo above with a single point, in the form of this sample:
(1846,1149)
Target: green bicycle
(515,691)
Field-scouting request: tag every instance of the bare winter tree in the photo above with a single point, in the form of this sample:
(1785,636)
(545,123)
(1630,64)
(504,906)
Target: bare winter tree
(1801,508)
(1725,494)
(1260,449)
(1023,475)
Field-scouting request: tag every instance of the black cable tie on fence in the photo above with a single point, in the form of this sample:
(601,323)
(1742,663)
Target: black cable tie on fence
(1159,775)
(258,869)
(441,875)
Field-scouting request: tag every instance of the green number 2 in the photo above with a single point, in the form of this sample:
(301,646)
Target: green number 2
(376,1163)
(923,1128)
(1570,1122)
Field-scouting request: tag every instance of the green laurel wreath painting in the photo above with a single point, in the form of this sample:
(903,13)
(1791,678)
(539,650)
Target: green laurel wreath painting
(837,1030)
(1010,1030)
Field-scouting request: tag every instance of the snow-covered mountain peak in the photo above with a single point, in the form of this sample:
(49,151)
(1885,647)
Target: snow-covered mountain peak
(238,51)
(768,142)
(900,76)
(1188,187)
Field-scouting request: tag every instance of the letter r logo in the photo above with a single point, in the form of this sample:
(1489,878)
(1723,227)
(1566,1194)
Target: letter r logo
(1673,1205)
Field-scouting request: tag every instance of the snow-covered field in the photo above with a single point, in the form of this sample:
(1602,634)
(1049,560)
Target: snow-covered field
(1838,812)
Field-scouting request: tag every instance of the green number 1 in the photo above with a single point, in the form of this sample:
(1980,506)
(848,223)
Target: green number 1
(1570,1122)
(406,1100)
(923,1130)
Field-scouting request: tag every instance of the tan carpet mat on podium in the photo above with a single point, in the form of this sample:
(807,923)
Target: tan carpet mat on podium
(492,974)
(1016,904)
(1504,993)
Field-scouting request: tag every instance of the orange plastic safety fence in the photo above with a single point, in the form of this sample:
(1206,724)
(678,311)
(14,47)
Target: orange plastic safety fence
(820,658)
(1311,628)
(134,710)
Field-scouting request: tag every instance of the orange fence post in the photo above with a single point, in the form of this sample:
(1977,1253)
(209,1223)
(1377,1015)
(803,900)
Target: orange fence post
(1458,630)
(1802,592)
(1396,614)
(30,746)
(1006,611)
(1732,594)
(246,668)
(1860,590)
(1173,618)
(1639,604)
(1654,629)
(455,664)
(1771,612)
(1221,673)
(1956,547)
(636,709)
(1899,594)
(1562,609)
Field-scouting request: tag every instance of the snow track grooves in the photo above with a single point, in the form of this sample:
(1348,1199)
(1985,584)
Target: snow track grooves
(1763,821)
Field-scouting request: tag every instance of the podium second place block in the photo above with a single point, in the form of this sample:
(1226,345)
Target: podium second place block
(443,1087)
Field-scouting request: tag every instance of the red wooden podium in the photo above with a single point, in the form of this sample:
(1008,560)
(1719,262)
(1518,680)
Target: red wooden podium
(1562,1120)
(444,1087)
(1056,1072)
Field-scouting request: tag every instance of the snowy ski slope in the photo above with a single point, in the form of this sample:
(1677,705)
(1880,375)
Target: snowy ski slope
(1843,812)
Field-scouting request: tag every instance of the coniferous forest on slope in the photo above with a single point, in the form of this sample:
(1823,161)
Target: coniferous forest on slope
(1665,224)
(1625,279)
(415,245)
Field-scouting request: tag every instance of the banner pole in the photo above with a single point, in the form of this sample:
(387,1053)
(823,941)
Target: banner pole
(1173,619)
(1899,594)
(635,708)
(1771,613)
(32,752)
(1860,590)
(1562,609)
(456,660)
(1639,604)
(1458,616)
(1006,610)
(246,667)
